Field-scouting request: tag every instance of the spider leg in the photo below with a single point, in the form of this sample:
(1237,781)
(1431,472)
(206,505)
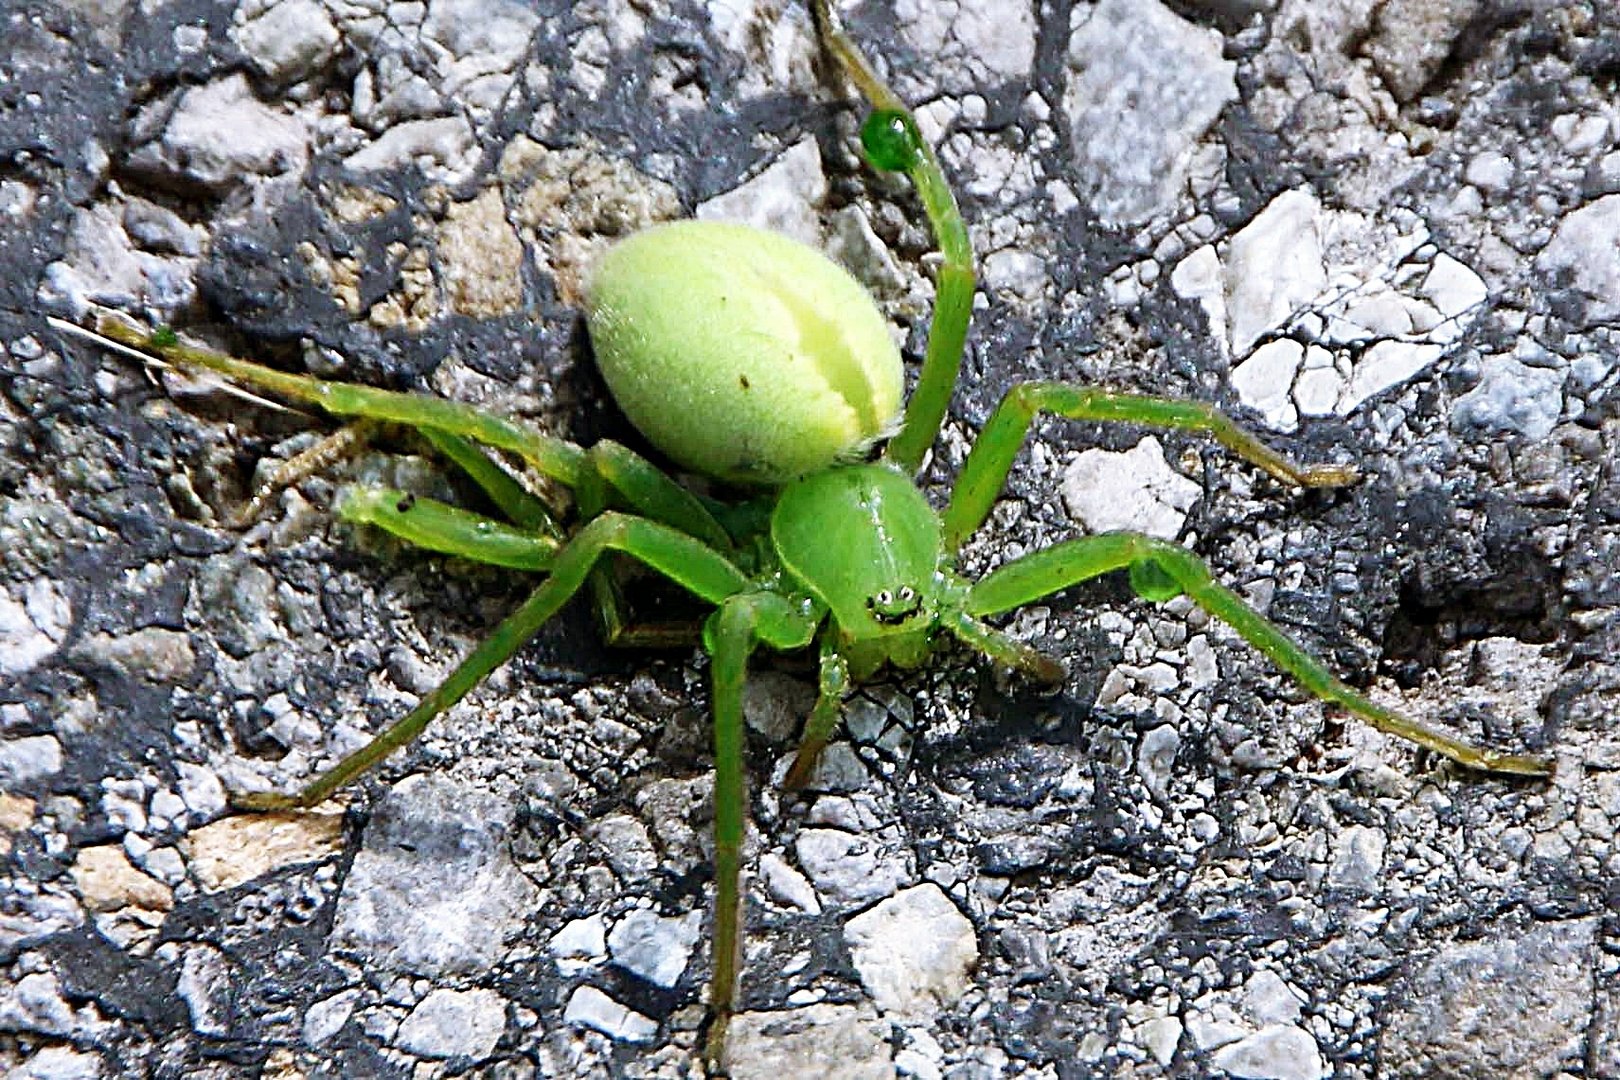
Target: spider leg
(992,455)
(556,458)
(894,144)
(614,474)
(742,623)
(1006,650)
(516,502)
(684,560)
(436,526)
(1160,570)
(834,683)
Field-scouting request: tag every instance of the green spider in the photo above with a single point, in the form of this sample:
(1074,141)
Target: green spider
(831,547)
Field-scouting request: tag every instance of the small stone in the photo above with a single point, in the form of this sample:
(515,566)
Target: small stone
(913,952)
(783,198)
(1133,129)
(32,627)
(326,1017)
(200,790)
(581,939)
(205,987)
(34,1003)
(153,654)
(287,40)
(1267,999)
(480,258)
(1518,1003)
(1387,363)
(236,850)
(1274,267)
(1263,382)
(1512,396)
(1156,758)
(30,758)
(60,1063)
(653,947)
(107,882)
(1453,287)
(454,1024)
(1585,251)
(1410,40)
(1277,1052)
(813,1043)
(1160,1037)
(16,813)
(1358,859)
(847,868)
(590,1007)
(433,889)
(788,885)
(443,147)
(1198,277)
(1136,490)
(220,135)
(628,846)
(1210,1032)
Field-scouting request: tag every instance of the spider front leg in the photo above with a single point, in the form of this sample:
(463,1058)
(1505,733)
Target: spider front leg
(834,683)
(677,556)
(893,144)
(731,635)
(1159,571)
(992,455)
(556,458)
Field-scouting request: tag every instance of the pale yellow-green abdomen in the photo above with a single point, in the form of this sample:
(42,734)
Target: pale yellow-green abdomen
(742,354)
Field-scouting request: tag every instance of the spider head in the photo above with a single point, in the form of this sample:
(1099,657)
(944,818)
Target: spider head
(864,541)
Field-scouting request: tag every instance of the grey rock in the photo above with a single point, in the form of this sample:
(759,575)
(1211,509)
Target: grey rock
(433,890)
(60,1063)
(1276,1052)
(220,135)
(590,1007)
(1516,1004)
(34,1003)
(163,656)
(581,940)
(1268,999)
(287,40)
(454,1024)
(1156,758)
(811,1043)
(1358,859)
(1585,252)
(29,758)
(1512,397)
(846,868)
(1412,38)
(326,1017)
(441,147)
(785,197)
(985,42)
(205,987)
(1143,87)
(32,625)
(913,952)
(1135,489)
(653,947)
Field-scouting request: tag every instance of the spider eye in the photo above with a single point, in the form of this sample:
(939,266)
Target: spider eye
(893,606)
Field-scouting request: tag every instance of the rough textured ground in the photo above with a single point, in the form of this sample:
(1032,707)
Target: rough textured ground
(1386,233)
